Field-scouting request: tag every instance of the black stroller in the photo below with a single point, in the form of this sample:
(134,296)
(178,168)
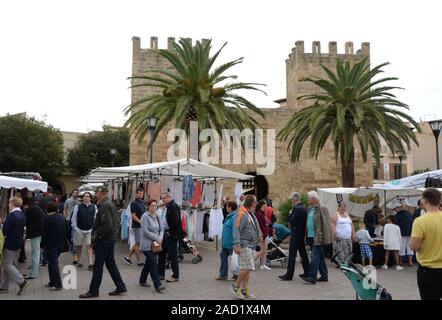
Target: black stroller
(185,246)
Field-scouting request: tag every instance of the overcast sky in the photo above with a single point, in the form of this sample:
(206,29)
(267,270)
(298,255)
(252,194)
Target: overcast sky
(68,61)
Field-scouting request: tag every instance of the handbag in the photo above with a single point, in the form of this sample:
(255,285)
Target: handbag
(156,247)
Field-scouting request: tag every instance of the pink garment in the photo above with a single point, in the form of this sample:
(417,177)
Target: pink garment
(184,221)
(154,190)
(196,199)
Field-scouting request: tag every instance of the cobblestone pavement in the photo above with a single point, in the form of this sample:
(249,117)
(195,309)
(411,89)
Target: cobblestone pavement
(197,282)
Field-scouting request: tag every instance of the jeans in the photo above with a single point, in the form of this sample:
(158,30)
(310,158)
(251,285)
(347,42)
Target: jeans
(35,249)
(151,266)
(54,270)
(297,244)
(104,254)
(429,282)
(318,262)
(170,249)
(10,272)
(224,256)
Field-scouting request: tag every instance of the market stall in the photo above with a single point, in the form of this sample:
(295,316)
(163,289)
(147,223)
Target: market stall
(195,186)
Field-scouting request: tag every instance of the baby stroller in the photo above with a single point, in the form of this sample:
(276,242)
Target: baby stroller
(274,251)
(365,286)
(186,246)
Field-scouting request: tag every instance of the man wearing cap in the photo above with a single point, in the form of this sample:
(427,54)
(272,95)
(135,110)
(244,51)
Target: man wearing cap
(404,220)
(297,220)
(104,235)
(318,228)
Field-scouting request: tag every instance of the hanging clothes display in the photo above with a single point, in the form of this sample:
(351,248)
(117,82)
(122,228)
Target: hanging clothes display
(166,182)
(219,195)
(177,191)
(188,188)
(154,190)
(238,191)
(196,199)
(215,222)
(208,195)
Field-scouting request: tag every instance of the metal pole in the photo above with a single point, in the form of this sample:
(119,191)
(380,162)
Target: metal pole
(437,153)
(151,145)
(400,167)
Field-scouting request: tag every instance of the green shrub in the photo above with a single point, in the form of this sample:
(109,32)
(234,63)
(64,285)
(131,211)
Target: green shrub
(286,206)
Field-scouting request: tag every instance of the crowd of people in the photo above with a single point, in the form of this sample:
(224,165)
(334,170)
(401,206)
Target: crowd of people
(94,223)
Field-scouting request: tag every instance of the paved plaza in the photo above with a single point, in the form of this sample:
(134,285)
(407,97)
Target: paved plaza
(197,282)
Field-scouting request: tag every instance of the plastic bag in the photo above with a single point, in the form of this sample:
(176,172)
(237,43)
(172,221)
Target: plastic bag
(234,265)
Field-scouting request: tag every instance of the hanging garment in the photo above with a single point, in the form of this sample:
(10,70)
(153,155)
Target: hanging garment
(193,225)
(165,183)
(184,224)
(238,191)
(154,190)
(219,195)
(188,188)
(196,199)
(208,195)
(215,222)
(177,192)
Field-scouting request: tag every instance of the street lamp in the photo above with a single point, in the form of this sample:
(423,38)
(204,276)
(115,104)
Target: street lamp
(152,121)
(401,156)
(436,126)
(113,152)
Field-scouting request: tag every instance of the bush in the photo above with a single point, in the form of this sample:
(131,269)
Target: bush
(419,171)
(286,206)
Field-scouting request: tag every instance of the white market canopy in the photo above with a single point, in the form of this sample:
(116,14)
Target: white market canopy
(11,182)
(416,181)
(359,200)
(181,167)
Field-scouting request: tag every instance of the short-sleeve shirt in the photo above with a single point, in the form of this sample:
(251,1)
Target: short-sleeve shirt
(70,205)
(138,207)
(311,222)
(428,228)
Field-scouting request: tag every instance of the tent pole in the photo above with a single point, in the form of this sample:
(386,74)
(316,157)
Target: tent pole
(385,203)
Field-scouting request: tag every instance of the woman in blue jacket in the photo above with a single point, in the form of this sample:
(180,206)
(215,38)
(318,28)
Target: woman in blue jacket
(227,239)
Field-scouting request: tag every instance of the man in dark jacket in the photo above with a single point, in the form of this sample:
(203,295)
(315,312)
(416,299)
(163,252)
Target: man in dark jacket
(13,231)
(172,233)
(34,230)
(52,241)
(371,217)
(104,234)
(404,220)
(297,220)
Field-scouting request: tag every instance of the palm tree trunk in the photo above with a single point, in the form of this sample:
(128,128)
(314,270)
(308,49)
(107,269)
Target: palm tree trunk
(348,170)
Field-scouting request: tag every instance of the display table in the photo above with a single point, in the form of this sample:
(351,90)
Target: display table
(378,255)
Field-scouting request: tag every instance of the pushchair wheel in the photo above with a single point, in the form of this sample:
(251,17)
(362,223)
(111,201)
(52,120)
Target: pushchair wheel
(269,264)
(200,258)
(284,263)
(180,258)
(195,260)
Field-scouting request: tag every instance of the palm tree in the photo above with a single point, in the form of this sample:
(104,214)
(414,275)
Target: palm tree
(351,107)
(192,90)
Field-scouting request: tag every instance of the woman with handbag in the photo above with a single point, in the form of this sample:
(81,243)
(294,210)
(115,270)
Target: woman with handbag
(151,238)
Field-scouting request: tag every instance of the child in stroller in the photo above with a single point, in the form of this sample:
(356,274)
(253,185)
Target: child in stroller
(274,251)
(186,246)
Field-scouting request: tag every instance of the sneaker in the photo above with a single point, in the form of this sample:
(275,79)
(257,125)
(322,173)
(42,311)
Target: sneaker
(128,261)
(265,268)
(171,279)
(247,295)
(160,288)
(399,268)
(237,292)
(22,287)
(90,267)
(385,267)
(140,264)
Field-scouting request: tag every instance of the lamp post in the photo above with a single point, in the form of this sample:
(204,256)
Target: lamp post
(401,157)
(436,126)
(113,152)
(152,121)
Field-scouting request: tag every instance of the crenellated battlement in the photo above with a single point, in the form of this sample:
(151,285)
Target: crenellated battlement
(298,52)
(136,42)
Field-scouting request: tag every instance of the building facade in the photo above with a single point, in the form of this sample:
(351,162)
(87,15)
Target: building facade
(287,177)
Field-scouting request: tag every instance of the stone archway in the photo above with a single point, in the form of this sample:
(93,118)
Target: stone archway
(261,186)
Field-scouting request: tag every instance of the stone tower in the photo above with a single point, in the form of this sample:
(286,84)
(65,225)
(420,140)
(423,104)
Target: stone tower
(324,171)
(304,175)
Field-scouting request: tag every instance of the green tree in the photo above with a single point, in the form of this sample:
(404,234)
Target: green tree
(350,108)
(286,206)
(30,145)
(93,150)
(192,90)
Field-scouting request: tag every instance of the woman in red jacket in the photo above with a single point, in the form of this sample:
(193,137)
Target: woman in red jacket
(263,225)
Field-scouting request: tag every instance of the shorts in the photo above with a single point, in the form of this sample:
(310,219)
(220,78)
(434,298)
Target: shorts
(137,235)
(246,259)
(81,238)
(365,250)
(405,245)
